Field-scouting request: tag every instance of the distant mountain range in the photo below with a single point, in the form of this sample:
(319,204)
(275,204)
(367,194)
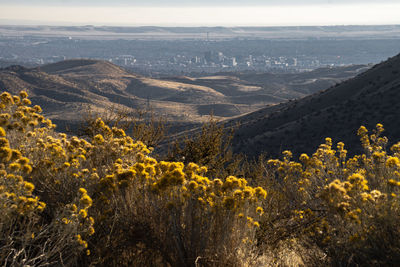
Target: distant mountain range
(67,88)
(301,125)
(215,33)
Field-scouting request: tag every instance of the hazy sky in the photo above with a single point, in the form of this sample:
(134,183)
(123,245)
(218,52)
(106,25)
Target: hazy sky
(200,13)
(191,2)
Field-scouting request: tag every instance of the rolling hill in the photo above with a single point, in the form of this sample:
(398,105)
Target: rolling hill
(66,89)
(301,125)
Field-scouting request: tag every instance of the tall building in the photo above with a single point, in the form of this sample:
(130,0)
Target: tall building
(208,57)
(234,63)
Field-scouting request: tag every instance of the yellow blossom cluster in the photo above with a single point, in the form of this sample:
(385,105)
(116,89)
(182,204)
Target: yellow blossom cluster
(75,219)
(36,166)
(177,184)
(16,194)
(338,198)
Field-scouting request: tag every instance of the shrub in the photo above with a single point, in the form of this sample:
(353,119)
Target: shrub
(211,146)
(141,125)
(40,223)
(349,207)
(106,201)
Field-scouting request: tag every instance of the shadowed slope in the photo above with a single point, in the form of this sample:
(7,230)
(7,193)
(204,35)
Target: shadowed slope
(337,112)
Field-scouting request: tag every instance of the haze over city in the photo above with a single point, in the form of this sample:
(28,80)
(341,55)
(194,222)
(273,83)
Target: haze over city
(201,13)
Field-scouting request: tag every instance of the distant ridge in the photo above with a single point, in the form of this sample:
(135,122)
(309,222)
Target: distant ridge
(67,65)
(217,33)
(89,66)
(301,125)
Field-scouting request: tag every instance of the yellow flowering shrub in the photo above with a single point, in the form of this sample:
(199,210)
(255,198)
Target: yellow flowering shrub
(106,200)
(349,207)
(184,214)
(36,226)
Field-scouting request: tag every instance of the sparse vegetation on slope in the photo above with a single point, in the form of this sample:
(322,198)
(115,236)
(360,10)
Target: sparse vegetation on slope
(106,201)
(300,125)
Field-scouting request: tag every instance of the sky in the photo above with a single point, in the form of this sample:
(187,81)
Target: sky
(200,13)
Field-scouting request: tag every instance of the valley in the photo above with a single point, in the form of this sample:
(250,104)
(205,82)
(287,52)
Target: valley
(67,89)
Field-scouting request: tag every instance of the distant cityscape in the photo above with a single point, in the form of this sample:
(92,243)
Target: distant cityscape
(155,56)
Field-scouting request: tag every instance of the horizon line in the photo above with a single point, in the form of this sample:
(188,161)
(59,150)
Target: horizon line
(2,24)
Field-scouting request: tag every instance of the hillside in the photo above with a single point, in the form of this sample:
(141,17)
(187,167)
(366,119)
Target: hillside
(66,89)
(301,125)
